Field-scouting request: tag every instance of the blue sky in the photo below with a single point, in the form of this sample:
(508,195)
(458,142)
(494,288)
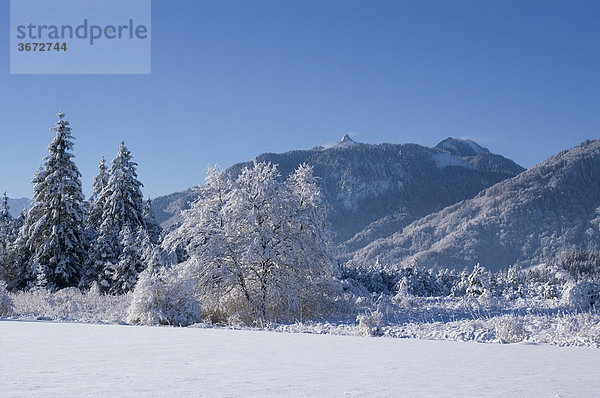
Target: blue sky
(233,79)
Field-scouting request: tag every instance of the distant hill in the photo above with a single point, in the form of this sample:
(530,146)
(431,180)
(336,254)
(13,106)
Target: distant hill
(528,219)
(376,190)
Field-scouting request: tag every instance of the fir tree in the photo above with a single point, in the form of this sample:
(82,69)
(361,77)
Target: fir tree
(7,236)
(5,216)
(117,214)
(152,226)
(97,205)
(122,197)
(51,238)
(100,250)
(478,281)
(124,274)
(102,257)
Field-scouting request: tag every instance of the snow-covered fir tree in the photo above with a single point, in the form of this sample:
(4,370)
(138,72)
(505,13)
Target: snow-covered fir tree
(6,219)
(94,219)
(102,256)
(124,274)
(514,283)
(51,238)
(152,226)
(261,246)
(116,216)
(7,237)
(478,281)
(122,198)
(100,249)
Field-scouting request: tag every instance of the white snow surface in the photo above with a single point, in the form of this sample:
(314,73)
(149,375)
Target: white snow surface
(46,359)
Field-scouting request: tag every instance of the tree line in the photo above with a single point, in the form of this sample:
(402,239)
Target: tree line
(62,240)
(253,247)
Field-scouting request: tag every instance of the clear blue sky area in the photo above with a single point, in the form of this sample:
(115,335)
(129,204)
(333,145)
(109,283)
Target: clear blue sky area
(233,79)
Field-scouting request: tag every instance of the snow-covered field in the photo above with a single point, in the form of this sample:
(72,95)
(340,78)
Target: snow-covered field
(72,359)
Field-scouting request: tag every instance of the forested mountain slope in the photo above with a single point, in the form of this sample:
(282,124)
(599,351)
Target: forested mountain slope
(531,218)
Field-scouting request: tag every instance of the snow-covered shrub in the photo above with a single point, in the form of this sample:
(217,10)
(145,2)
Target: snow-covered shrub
(95,289)
(513,283)
(581,296)
(354,287)
(459,288)
(71,304)
(67,301)
(574,329)
(6,303)
(509,329)
(416,281)
(163,297)
(371,323)
(486,299)
(373,279)
(547,281)
(403,298)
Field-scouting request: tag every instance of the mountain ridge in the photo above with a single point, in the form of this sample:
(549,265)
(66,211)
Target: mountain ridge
(379,188)
(525,220)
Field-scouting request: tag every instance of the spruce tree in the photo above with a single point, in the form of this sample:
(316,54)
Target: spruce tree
(152,226)
(96,204)
(52,234)
(5,216)
(7,236)
(100,249)
(124,274)
(120,200)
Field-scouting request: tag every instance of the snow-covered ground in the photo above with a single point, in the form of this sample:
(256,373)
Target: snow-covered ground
(72,359)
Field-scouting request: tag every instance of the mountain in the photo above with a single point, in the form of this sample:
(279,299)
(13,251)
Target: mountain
(525,220)
(376,190)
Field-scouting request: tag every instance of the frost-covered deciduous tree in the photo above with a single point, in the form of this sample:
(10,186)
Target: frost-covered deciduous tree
(260,246)
(52,235)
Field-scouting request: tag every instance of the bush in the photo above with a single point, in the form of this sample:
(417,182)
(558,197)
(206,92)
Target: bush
(509,329)
(163,297)
(486,299)
(581,296)
(6,303)
(71,304)
(370,323)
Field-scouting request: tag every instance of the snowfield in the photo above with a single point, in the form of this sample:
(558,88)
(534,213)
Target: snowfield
(71,359)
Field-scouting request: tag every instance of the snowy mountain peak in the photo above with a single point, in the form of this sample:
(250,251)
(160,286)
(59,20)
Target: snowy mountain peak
(346,142)
(461,147)
(346,138)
